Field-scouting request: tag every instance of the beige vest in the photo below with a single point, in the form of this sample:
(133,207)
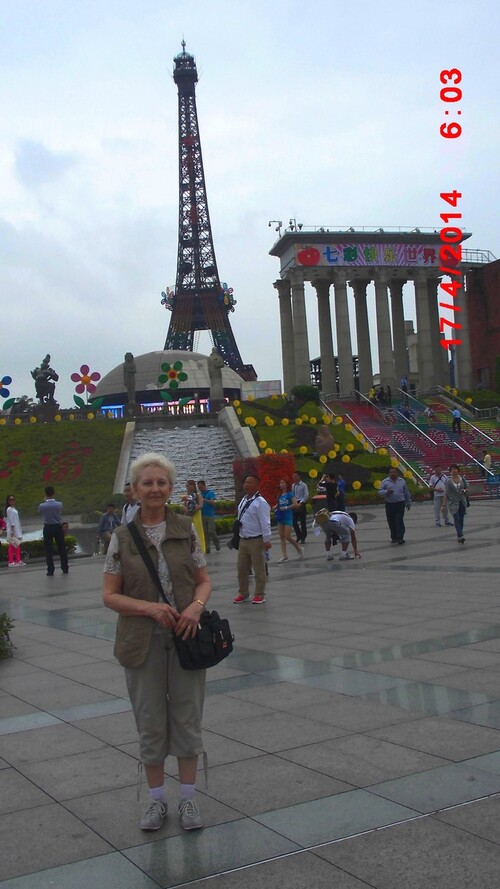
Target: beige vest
(133,633)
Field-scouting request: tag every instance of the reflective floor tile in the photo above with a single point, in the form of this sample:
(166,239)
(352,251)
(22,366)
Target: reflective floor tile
(440,788)
(428,698)
(236,683)
(490,762)
(26,723)
(324,820)
(110,871)
(352,682)
(198,854)
(99,708)
(484,714)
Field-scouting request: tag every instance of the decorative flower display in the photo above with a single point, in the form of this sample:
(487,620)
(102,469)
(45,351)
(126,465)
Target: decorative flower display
(313,473)
(346,458)
(332,454)
(85,380)
(349,447)
(238,410)
(394,462)
(468,400)
(226,297)
(356,486)
(302,449)
(274,397)
(326,419)
(408,474)
(377,483)
(337,448)
(304,418)
(251,398)
(285,421)
(322,459)
(269,451)
(269,421)
(262,444)
(32,419)
(236,403)
(298,422)
(250,421)
(382,452)
(17,421)
(313,421)
(5,381)
(58,418)
(172,374)
(167,298)
(348,427)
(338,420)
(283,451)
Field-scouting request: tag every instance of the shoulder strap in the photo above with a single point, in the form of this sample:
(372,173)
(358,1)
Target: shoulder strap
(247,504)
(132,527)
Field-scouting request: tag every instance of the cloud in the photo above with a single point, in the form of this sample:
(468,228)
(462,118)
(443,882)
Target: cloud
(35,164)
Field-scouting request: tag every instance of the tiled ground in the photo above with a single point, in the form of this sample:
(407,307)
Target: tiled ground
(353,735)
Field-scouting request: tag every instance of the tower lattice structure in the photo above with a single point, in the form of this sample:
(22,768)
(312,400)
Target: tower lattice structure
(198,302)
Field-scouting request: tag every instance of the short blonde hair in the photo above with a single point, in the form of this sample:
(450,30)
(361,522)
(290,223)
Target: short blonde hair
(151,459)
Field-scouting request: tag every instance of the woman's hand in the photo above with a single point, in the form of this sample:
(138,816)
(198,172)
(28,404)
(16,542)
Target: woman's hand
(187,623)
(164,614)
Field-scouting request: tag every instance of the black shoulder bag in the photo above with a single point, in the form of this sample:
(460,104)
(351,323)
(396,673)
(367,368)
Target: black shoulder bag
(213,641)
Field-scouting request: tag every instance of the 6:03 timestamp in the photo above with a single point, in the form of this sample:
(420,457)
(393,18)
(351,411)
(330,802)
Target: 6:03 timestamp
(451,93)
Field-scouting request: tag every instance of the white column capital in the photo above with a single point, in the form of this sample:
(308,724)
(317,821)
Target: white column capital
(282,285)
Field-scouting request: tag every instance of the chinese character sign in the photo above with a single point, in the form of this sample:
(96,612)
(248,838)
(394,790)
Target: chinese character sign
(367,255)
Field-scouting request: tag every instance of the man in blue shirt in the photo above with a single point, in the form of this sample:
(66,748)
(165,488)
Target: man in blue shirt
(208,516)
(395,492)
(51,512)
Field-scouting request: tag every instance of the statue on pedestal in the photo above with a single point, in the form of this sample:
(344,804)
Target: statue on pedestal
(215,363)
(45,381)
(129,372)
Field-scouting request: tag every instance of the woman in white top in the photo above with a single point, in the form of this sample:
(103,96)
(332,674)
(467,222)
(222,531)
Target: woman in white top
(14,532)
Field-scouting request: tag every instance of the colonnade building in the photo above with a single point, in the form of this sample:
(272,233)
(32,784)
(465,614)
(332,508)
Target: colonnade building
(346,262)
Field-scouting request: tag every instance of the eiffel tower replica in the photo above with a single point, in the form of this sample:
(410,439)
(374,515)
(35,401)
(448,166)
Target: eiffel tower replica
(199,302)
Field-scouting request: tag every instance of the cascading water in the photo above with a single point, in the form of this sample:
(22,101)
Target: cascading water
(199,452)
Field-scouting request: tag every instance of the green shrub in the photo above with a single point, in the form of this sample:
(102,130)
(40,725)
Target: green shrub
(35,549)
(6,645)
(306,393)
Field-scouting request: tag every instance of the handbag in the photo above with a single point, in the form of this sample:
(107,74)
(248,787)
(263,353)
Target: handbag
(213,640)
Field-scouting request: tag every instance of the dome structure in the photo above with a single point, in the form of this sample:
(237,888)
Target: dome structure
(150,366)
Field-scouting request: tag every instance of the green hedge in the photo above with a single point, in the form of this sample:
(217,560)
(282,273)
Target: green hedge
(35,549)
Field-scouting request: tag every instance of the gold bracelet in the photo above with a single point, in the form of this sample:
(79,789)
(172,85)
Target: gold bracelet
(200,602)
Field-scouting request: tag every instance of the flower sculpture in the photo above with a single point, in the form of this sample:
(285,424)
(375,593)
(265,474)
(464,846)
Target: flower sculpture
(356,485)
(167,298)
(313,473)
(173,375)
(85,380)
(4,382)
(225,296)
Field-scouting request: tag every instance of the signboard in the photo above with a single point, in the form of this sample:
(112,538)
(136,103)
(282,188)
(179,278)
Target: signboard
(347,254)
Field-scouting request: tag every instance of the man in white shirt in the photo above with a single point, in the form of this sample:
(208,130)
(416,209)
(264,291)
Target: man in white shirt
(131,506)
(254,515)
(339,526)
(301,493)
(437,483)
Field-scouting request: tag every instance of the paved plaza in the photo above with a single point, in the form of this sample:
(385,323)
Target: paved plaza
(353,736)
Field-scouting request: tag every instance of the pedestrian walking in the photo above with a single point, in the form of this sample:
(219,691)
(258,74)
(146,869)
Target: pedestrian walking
(14,532)
(437,482)
(456,499)
(254,539)
(208,515)
(395,492)
(301,493)
(283,510)
(51,512)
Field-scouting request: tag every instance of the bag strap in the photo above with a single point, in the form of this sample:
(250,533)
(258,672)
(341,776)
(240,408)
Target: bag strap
(247,504)
(134,531)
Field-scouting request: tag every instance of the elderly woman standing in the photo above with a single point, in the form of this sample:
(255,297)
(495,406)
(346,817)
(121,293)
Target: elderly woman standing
(167,701)
(455,498)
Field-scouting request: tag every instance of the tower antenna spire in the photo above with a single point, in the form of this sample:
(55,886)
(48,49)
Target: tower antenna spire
(199,302)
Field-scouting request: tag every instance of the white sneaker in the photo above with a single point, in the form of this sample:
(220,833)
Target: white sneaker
(301,554)
(189,815)
(12,564)
(154,816)
(283,559)
(329,557)
(344,556)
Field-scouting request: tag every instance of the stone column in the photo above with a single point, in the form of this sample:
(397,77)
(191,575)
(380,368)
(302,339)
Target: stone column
(427,370)
(365,367)
(401,368)
(436,295)
(344,347)
(328,381)
(385,357)
(286,325)
(464,375)
(301,343)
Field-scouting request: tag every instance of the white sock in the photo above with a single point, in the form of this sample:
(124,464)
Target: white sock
(187,791)
(157,793)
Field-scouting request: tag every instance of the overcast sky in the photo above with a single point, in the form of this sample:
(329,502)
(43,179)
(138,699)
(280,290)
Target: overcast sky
(326,112)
